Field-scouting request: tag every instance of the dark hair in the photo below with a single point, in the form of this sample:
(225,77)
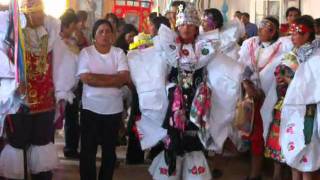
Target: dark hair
(276,24)
(70,10)
(121,41)
(157,21)
(290,9)
(68,18)
(99,23)
(178,3)
(247,15)
(317,22)
(153,15)
(113,17)
(82,15)
(309,22)
(216,15)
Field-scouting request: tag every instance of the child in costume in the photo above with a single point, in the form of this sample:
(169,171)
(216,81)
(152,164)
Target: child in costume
(260,56)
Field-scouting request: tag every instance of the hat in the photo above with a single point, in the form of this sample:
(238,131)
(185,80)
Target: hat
(188,15)
(29,6)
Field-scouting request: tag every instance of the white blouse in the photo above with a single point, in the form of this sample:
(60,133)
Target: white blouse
(102,100)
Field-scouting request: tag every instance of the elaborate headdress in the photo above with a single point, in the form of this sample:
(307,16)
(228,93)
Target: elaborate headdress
(188,15)
(29,6)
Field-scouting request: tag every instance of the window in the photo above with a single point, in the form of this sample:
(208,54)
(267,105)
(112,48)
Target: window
(276,8)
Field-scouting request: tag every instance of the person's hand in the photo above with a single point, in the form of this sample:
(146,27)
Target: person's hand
(22,88)
(61,113)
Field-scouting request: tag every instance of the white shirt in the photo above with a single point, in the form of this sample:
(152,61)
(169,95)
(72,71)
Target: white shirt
(64,70)
(102,100)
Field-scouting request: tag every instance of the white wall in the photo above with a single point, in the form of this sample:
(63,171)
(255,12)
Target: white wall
(311,7)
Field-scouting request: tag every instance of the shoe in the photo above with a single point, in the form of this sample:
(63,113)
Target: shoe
(255,178)
(216,173)
(71,155)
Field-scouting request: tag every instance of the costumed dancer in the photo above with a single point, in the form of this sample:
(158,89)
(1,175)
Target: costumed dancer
(224,77)
(30,130)
(173,88)
(299,128)
(135,155)
(260,56)
(142,41)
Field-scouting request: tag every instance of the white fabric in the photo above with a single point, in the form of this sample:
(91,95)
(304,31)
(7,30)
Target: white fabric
(225,40)
(99,99)
(9,103)
(42,158)
(303,90)
(171,48)
(11,163)
(148,72)
(195,166)
(224,79)
(159,168)
(53,27)
(64,71)
(267,73)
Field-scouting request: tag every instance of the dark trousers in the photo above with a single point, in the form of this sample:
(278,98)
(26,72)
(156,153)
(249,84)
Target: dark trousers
(71,124)
(31,129)
(98,129)
(72,127)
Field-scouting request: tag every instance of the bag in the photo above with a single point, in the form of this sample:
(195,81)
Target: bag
(244,114)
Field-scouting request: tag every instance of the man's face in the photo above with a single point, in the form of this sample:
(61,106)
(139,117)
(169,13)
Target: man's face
(244,19)
(35,19)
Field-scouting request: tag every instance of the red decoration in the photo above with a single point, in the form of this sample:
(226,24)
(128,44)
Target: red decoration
(134,9)
(300,28)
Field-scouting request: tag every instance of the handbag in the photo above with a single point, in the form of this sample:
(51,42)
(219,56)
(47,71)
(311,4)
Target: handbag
(244,114)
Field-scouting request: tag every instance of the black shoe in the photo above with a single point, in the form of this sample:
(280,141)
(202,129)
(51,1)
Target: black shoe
(71,155)
(255,178)
(216,173)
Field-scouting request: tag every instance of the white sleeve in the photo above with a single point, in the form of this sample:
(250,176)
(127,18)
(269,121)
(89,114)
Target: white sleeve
(244,56)
(64,72)
(122,62)
(83,63)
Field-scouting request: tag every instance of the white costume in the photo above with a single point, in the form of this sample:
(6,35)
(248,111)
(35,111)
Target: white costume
(302,91)
(267,65)
(41,158)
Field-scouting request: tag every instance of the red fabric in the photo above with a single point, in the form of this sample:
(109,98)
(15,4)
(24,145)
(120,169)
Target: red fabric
(284,28)
(40,89)
(256,138)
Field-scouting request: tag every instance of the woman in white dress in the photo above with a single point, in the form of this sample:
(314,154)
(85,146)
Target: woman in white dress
(299,128)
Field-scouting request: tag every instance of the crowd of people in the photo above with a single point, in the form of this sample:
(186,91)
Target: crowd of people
(190,84)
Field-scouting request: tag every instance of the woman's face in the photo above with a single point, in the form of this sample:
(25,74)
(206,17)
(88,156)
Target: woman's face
(267,31)
(292,16)
(207,24)
(299,39)
(152,29)
(103,36)
(188,32)
(129,37)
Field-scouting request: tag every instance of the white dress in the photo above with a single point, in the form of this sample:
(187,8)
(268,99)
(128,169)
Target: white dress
(267,67)
(303,90)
